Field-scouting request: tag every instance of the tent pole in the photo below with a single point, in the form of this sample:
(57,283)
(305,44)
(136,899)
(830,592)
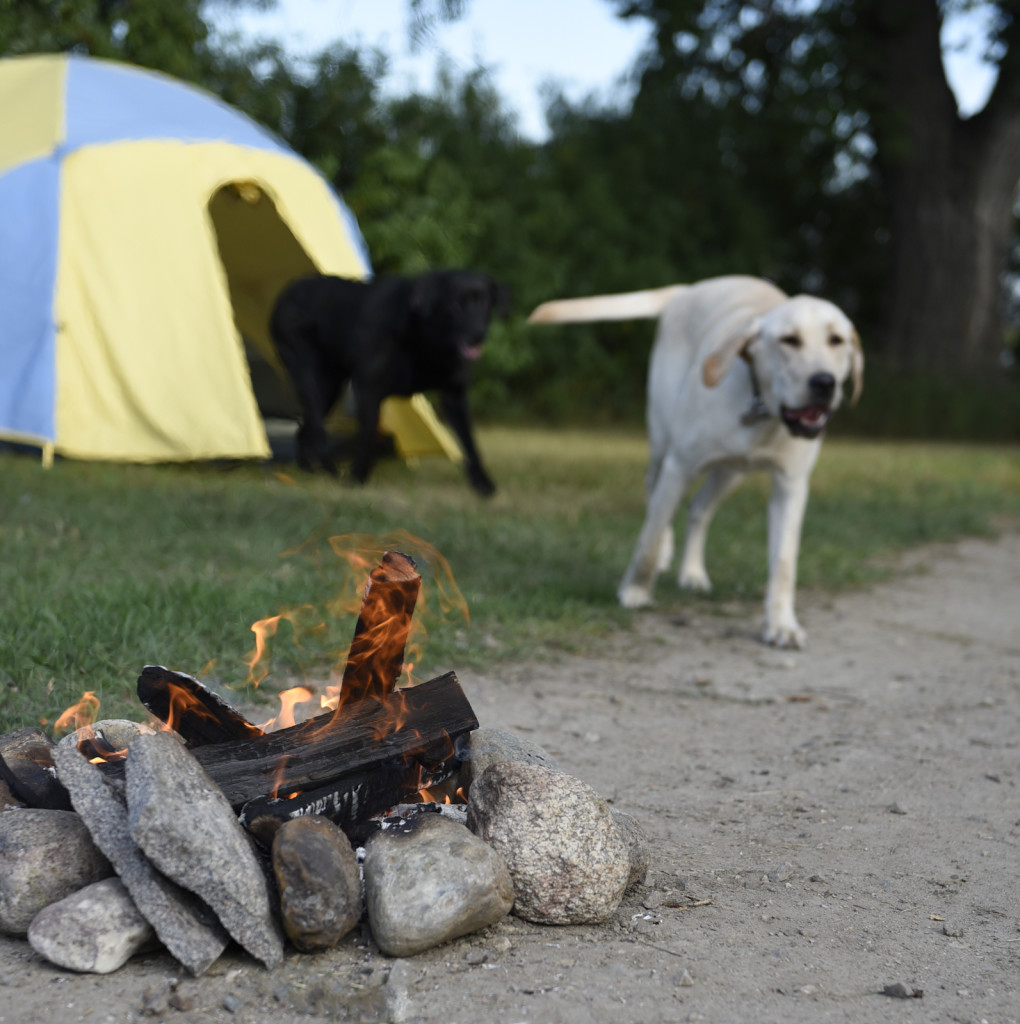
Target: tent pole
(47,455)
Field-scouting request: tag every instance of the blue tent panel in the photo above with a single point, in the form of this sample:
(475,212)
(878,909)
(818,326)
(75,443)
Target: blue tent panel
(29,213)
(160,107)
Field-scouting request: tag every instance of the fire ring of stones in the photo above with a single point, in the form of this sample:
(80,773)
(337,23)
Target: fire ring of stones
(121,839)
(165,861)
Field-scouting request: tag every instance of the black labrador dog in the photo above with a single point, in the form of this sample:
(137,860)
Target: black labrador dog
(388,336)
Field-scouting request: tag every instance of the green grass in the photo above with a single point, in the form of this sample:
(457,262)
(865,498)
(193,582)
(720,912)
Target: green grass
(106,568)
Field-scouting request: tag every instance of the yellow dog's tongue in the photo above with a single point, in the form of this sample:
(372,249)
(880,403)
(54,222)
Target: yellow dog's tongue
(812,415)
(806,422)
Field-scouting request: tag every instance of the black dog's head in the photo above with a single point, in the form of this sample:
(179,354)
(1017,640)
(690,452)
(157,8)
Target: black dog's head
(455,308)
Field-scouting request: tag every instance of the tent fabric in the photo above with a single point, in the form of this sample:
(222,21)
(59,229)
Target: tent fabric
(146,229)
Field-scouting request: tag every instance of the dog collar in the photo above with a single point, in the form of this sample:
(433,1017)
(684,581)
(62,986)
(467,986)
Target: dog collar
(758,411)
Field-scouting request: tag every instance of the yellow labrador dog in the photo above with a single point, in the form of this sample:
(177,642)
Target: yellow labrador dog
(742,377)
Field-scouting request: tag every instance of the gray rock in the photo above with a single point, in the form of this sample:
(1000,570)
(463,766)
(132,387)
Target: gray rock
(95,929)
(319,881)
(401,980)
(567,857)
(115,733)
(782,872)
(492,746)
(185,925)
(432,883)
(900,990)
(638,849)
(44,856)
(186,827)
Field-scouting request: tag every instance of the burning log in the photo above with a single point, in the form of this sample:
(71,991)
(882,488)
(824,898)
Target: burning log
(417,722)
(191,709)
(26,765)
(376,658)
(349,800)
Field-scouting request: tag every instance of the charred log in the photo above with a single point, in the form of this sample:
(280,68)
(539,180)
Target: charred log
(352,799)
(411,722)
(376,658)
(191,709)
(26,765)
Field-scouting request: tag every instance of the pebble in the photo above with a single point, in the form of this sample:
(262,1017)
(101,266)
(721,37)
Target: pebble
(781,872)
(900,990)
(231,1003)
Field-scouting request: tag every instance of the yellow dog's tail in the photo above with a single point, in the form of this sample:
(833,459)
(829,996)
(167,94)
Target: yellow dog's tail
(644,305)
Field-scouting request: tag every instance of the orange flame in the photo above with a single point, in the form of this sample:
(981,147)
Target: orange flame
(281,772)
(303,619)
(289,699)
(360,553)
(80,714)
(363,551)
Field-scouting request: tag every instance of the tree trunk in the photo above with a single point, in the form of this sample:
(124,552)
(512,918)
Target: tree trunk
(951,184)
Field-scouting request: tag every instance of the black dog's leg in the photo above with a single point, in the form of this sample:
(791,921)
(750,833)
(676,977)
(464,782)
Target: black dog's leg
(455,409)
(316,393)
(368,404)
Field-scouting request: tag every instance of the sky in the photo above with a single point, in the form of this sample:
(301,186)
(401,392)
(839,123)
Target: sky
(578,45)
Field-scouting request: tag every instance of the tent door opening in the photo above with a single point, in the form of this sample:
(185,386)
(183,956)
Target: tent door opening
(260,255)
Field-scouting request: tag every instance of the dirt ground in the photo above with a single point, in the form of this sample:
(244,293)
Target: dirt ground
(823,823)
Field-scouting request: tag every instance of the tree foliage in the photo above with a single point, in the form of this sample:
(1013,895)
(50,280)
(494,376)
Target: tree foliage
(808,143)
(837,119)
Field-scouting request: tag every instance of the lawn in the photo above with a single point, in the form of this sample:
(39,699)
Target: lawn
(107,568)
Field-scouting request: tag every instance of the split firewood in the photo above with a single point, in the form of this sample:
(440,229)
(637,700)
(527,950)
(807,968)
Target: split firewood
(376,658)
(351,799)
(409,722)
(26,765)
(191,709)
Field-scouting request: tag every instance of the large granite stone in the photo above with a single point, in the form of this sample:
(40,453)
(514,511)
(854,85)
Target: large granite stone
(568,859)
(187,828)
(484,747)
(44,856)
(319,881)
(184,924)
(638,848)
(432,883)
(95,929)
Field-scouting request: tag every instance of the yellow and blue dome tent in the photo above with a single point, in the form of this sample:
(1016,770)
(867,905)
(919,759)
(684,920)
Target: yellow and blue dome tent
(146,229)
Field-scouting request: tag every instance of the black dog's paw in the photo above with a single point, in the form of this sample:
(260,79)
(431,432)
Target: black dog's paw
(360,473)
(481,482)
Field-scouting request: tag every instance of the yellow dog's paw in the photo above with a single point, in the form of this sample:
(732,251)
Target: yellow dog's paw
(789,635)
(694,579)
(633,596)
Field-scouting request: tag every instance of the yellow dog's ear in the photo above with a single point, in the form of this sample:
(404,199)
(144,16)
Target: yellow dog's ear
(856,367)
(724,352)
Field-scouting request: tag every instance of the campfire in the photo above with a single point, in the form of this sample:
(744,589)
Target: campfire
(209,827)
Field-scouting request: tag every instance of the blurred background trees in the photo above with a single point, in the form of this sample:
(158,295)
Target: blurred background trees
(817,144)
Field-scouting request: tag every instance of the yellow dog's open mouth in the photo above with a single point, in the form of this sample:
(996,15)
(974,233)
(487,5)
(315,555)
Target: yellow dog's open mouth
(808,421)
